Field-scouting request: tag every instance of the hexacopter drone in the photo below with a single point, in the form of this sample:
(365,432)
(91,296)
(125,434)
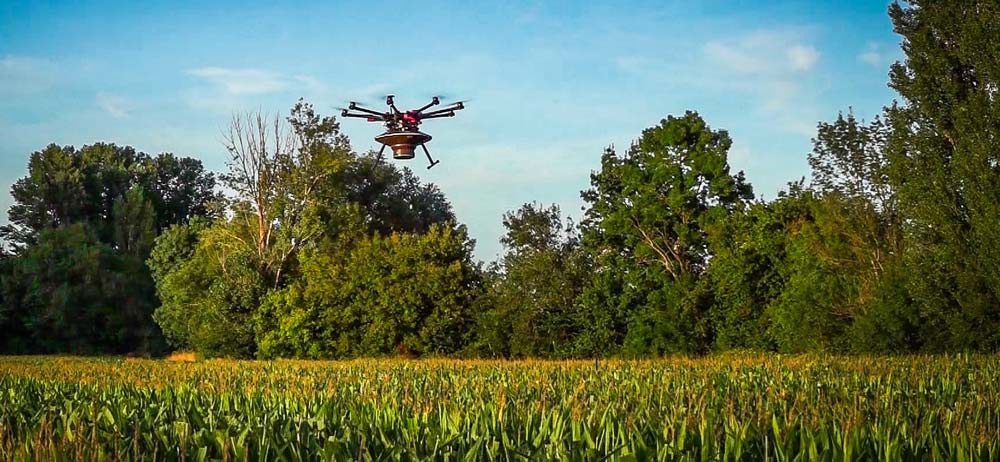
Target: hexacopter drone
(401,127)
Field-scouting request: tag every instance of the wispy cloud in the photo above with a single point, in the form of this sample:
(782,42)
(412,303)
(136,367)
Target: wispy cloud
(775,69)
(802,57)
(735,58)
(230,89)
(20,75)
(635,65)
(874,55)
(763,52)
(117,106)
(242,81)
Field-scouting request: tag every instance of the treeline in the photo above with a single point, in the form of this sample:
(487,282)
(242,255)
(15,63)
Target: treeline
(316,251)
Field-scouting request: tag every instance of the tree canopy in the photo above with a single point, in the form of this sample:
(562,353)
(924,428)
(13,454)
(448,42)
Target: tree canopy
(81,227)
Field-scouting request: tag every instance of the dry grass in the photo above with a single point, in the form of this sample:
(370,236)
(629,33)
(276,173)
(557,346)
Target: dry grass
(182,357)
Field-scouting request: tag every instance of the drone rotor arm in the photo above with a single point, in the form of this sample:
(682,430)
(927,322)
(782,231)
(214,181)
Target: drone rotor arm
(392,105)
(447,110)
(434,102)
(450,108)
(355,107)
(437,115)
(370,117)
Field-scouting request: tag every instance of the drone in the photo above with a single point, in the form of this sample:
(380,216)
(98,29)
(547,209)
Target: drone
(402,132)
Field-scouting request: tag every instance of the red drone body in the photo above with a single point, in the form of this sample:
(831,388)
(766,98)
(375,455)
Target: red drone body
(402,134)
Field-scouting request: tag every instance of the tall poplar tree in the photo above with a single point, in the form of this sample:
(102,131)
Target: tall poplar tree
(946,166)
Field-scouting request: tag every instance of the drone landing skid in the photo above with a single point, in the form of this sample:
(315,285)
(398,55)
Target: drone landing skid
(429,158)
(378,158)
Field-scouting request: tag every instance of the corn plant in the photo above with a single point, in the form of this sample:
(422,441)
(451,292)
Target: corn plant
(728,408)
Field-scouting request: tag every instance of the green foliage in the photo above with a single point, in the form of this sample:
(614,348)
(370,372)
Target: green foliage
(529,306)
(279,178)
(69,292)
(82,224)
(309,219)
(749,269)
(392,199)
(893,246)
(944,164)
(819,269)
(208,288)
(403,293)
(65,185)
(647,229)
(134,224)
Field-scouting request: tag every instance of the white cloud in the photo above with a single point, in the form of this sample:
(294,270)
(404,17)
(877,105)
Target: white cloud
(873,55)
(802,58)
(739,156)
(118,106)
(229,89)
(774,69)
(244,81)
(764,52)
(311,83)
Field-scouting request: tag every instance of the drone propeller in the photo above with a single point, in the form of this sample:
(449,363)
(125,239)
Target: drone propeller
(454,104)
(446,111)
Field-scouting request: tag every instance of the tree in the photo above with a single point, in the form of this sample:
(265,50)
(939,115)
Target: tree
(109,201)
(944,165)
(180,189)
(750,269)
(277,175)
(851,159)
(820,267)
(72,293)
(400,294)
(213,278)
(647,228)
(303,204)
(392,199)
(209,289)
(65,186)
(842,288)
(134,224)
(529,307)
(16,335)
(50,196)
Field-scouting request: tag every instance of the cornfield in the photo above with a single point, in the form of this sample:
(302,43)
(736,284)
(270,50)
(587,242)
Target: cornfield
(727,408)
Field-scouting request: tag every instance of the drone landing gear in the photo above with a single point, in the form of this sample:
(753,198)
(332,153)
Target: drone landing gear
(378,157)
(429,158)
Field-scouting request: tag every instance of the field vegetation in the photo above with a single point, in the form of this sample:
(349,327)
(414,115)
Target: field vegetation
(729,408)
(306,248)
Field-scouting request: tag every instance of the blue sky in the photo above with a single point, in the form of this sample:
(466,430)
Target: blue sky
(551,83)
